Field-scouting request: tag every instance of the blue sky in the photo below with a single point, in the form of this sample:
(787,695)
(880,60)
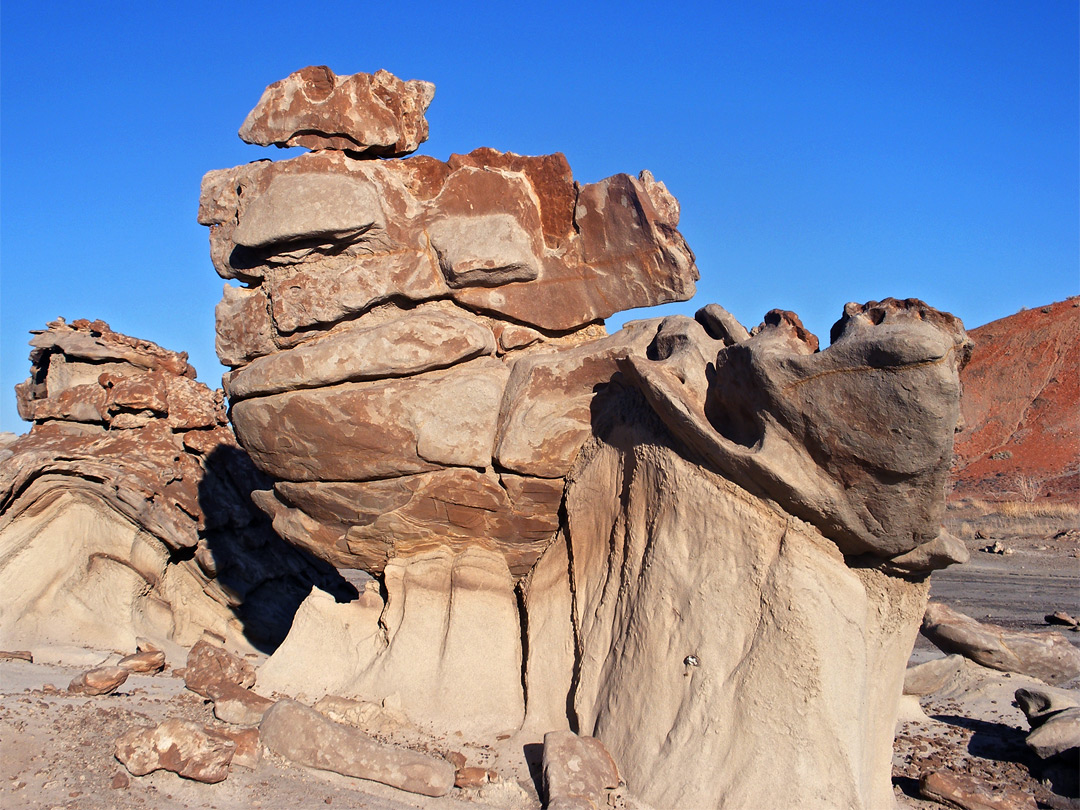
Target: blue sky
(823,152)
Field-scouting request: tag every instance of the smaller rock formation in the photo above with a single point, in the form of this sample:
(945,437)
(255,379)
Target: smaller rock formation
(932,676)
(183,747)
(373,115)
(126,510)
(150,661)
(304,736)
(1047,656)
(100,681)
(237,705)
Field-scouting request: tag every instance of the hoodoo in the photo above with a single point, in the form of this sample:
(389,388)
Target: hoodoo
(704,545)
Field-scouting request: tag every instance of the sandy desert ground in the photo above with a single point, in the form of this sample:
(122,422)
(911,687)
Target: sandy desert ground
(56,749)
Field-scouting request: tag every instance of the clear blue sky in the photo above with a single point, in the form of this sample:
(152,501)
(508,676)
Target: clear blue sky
(823,152)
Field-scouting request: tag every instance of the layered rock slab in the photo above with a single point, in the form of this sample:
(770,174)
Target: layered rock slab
(372,114)
(306,737)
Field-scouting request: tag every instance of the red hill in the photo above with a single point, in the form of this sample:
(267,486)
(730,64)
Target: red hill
(1021,407)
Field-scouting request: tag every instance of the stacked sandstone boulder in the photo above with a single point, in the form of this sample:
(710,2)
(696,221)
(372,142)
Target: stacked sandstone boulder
(125,511)
(707,546)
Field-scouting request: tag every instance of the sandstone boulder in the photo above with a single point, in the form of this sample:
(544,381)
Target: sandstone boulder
(185,748)
(1048,656)
(209,665)
(1054,716)
(1057,734)
(376,115)
(149,661)
(100,681)
(304,736)
(577,771)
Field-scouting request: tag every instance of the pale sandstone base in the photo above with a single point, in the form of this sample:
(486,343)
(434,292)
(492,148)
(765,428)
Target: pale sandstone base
(446,644)
(730,658)
(75,572)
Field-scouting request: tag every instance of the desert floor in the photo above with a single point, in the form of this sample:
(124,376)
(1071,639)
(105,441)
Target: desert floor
(56,750)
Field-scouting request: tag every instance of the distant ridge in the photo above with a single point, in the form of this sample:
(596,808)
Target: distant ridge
(1021,407)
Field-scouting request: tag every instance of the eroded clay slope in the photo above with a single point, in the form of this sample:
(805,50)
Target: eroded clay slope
(1021,407)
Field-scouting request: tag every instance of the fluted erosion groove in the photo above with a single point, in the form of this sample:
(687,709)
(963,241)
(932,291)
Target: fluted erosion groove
(704,547)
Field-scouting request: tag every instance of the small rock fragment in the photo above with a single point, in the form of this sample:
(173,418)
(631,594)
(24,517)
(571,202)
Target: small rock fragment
(1061,617)
(304,736)
(371,717)
(248,745)
(185,748)
(17,655)
(997,547)
(470,777)
(971,794)
(120,781)
(148,661)
(100,681)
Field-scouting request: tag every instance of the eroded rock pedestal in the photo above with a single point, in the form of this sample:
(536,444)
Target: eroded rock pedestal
(706,546)
(125,511)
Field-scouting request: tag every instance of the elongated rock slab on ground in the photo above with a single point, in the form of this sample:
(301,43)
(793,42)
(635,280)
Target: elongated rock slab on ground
(1048,656)
(305,737)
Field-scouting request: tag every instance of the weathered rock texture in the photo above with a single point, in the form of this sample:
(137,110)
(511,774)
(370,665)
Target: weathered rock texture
(1021,407)
(719,538)
(125,511)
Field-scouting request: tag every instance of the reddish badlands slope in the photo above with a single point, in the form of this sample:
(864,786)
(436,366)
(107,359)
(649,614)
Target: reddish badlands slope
(1021,407)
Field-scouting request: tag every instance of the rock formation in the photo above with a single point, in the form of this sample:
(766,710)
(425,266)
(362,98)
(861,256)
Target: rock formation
(707,547)
(1021,407)
(125,511)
